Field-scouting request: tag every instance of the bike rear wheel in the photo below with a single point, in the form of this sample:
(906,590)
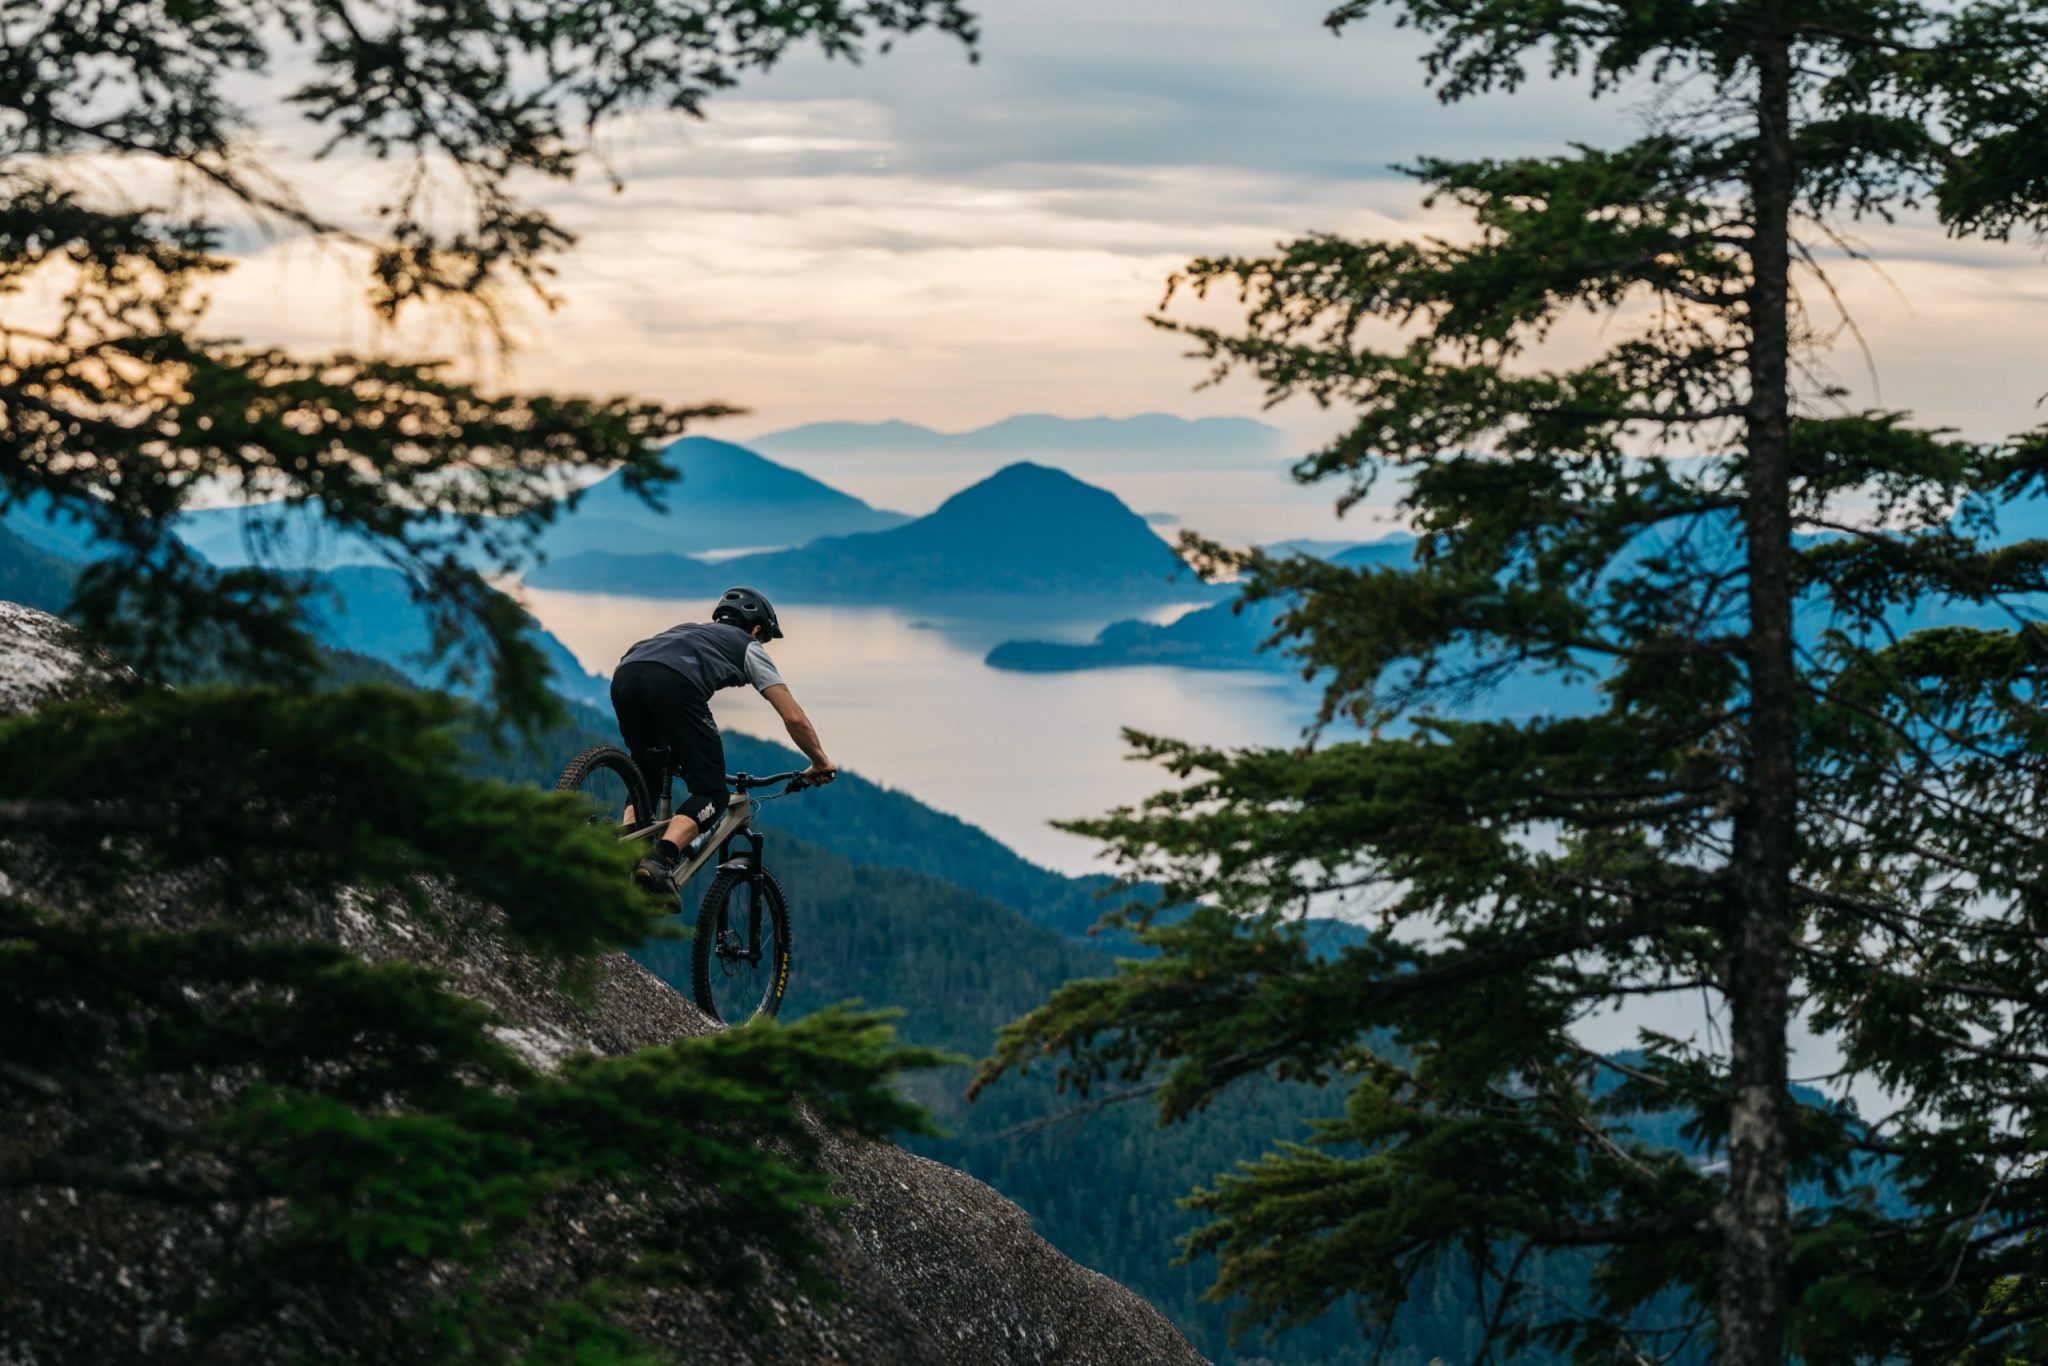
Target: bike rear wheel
(739,958)
(607,784)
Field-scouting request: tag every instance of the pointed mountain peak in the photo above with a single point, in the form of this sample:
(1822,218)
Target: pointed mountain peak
(1031,474)
(706,456)
(719,474)
(1027,490)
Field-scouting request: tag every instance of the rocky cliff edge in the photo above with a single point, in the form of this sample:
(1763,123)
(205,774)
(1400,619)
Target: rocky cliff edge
(936,1267)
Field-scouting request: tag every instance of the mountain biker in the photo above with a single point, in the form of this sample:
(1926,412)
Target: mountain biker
(661,693)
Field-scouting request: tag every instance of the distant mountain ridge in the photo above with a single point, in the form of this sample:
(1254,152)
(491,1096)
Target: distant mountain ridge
(368,610)
(40,522)
(1025,531)
(727,498)
(1158,440)
(359,609)
(33,576)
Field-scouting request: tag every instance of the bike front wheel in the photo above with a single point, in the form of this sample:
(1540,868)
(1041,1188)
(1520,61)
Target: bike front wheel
(739,959)
(607,785)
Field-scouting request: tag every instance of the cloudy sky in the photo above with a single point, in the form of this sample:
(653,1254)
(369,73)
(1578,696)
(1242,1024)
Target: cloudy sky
(948,243)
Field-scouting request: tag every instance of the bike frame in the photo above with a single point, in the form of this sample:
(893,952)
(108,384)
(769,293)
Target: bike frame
(739,851)
(734,823)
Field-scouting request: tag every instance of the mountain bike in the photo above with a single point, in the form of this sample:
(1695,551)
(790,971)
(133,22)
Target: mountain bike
(739,956)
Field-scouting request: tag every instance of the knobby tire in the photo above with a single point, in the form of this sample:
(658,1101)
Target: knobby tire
(590,769)
(709,970)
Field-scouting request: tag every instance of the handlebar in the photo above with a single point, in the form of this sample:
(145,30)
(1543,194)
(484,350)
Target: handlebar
(741,782)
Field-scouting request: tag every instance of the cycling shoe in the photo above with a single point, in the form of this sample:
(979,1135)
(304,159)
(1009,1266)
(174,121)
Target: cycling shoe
(655,877)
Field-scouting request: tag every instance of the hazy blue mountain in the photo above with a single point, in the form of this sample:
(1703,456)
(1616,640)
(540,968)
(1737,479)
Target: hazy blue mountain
(1395,550)
(1146,441)
(33,576)
(728,498)
(357,610)
(840,438)
(368,610)
(1025,532)
(1329,550)
(287,536)
(38,520)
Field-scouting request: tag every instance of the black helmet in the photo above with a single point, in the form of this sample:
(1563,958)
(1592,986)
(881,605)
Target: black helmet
(744,607)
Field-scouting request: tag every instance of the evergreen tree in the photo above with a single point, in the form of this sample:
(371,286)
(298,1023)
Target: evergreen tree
(117,406)
(1805,785)
(325,1156)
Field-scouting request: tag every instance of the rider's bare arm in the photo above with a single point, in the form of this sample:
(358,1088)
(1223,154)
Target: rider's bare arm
(802,732)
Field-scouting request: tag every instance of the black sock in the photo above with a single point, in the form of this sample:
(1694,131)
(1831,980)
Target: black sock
(666,851)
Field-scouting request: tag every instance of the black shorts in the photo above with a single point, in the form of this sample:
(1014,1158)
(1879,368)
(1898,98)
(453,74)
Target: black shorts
(659,708)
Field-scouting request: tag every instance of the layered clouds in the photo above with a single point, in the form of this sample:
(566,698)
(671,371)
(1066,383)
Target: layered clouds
(949,242)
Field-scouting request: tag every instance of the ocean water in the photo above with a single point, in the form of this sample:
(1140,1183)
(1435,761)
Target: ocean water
(907,701)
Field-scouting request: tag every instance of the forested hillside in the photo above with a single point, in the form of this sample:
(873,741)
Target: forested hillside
(32,576)
(734,500)
(368,610)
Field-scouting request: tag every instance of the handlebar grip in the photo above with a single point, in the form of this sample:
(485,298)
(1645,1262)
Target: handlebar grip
(746,782)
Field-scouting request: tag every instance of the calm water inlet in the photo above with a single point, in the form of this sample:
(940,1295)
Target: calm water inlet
(909,703)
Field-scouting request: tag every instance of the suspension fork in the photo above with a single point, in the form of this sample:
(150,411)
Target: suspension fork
(756,842)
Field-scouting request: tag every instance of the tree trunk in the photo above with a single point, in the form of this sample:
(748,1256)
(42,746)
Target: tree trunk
(1754,1216)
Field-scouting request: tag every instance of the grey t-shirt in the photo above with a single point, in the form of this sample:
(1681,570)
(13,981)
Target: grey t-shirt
(761,670)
